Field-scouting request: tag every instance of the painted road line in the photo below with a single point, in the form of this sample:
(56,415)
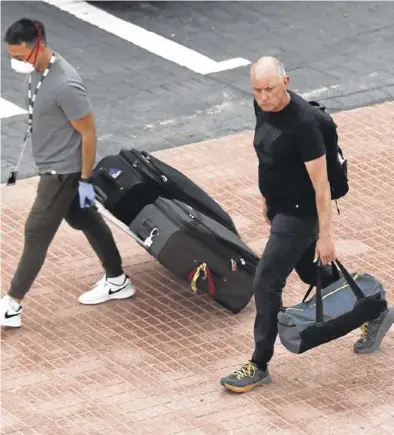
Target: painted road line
(374,80)
(145,39)
(8,109)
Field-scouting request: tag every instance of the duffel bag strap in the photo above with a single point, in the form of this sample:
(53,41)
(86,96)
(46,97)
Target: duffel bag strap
(308,292)
(319,298)
(352,284)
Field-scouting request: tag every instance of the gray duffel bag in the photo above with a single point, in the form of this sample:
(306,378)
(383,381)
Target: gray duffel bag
(332,312)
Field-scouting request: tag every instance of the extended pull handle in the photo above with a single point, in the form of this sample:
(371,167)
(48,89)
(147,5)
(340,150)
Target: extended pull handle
(105,213)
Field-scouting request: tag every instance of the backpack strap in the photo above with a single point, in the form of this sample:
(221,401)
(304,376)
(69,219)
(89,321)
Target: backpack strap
(317,105)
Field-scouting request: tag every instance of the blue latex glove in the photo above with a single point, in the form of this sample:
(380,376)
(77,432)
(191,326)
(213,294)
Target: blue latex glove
(87,197)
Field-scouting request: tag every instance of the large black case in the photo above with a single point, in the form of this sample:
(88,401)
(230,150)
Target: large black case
(122,189)
(133,179)
(198,249)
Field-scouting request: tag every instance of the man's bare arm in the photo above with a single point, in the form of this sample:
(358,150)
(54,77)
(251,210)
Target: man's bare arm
(86,127)
(317,170)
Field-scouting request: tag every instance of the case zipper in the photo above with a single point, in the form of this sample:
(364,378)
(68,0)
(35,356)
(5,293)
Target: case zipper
(193,229)
(233,263)
(142,166)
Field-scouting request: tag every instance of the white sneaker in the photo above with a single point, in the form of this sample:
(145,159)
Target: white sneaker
(10,312)
(105,290)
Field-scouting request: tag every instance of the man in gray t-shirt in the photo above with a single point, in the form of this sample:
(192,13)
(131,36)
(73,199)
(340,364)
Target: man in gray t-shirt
(63,141)
(62,98)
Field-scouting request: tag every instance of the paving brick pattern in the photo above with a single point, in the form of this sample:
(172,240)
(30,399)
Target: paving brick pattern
(153,104)
(151,364)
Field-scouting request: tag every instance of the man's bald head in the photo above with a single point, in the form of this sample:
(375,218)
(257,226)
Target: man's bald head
(269,81)
(268,66)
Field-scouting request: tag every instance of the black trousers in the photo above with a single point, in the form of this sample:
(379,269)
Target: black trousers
(291,245)
(57,199)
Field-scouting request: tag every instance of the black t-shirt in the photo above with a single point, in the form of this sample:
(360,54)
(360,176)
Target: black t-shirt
(284,141)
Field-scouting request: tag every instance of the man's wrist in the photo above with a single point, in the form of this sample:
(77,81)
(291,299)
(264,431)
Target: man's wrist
(86,179)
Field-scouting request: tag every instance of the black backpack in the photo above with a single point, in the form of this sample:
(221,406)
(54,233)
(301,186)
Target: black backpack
(337,169)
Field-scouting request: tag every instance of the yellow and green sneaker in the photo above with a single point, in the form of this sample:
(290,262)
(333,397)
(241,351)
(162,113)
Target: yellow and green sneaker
(249,376)
(373,332)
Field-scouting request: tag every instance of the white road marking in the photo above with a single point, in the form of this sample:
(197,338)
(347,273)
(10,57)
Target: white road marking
(226,106)
(145,39)
(8,109)
(317,93)
(342,89)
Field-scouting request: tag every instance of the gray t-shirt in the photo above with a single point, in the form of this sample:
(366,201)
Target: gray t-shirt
(62,97)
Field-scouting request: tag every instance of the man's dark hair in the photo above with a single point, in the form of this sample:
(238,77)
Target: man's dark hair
(24,31)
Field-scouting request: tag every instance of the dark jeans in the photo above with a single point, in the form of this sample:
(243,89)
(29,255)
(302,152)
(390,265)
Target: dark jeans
(57,198)
(291,245)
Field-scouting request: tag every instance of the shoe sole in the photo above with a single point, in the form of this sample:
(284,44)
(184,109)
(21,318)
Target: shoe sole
(267,380)
(124,294)
(386,325)
(11,325)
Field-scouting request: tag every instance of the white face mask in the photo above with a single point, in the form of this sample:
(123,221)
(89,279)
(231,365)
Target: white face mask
(21,67)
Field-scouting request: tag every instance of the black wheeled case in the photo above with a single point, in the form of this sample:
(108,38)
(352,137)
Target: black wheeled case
(199,250)
(132,179)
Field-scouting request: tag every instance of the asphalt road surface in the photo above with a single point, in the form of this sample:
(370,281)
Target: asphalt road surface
(189,80)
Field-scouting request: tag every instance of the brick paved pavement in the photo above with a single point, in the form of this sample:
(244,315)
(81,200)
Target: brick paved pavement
(151,365)
(147,101)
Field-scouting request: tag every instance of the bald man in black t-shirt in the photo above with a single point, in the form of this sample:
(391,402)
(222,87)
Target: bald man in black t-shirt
(297,204)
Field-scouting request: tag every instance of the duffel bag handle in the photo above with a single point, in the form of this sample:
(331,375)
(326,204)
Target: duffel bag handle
(319,266)
(352,284)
